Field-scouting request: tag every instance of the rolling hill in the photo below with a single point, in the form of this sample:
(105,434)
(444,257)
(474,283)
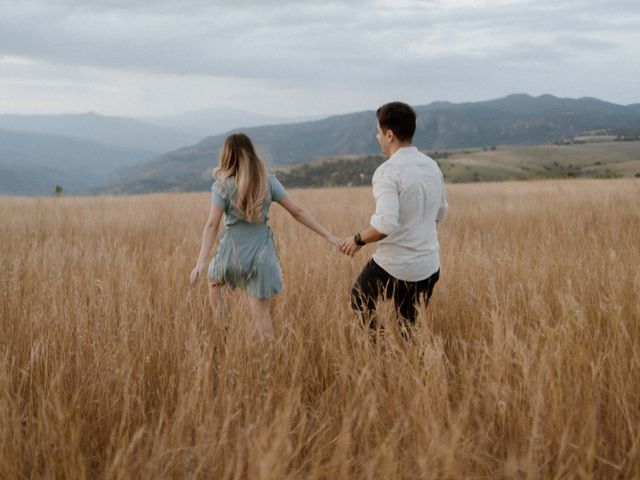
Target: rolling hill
(513,120)
(119,132)
(75,151)
(32,164)
(590,160)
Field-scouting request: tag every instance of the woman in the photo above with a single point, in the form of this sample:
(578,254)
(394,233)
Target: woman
(246,256)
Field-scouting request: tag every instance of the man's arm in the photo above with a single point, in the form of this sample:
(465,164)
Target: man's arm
(368,235)
(383,221)
(442,211)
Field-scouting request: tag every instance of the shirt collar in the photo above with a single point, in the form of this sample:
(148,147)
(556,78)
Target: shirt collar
(403,150)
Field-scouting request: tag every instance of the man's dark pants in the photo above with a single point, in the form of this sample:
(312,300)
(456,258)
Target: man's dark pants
(374,282)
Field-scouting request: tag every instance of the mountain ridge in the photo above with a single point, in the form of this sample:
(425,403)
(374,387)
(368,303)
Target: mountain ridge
(108,130)
(33,163)
(517,119)
(216,121)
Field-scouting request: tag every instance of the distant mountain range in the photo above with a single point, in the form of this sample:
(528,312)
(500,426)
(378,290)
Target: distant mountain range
(37,151)
(32,163)
(114,131)
(514,120)
(77,152)
(215,121)
(100,154)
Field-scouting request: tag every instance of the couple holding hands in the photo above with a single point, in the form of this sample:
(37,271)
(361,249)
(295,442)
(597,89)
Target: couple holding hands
(410,199)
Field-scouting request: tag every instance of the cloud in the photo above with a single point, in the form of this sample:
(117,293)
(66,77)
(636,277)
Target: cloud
(340,46)
(228,42)
(271,39)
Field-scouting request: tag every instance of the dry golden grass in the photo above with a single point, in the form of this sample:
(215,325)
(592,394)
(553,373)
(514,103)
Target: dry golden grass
(526,364)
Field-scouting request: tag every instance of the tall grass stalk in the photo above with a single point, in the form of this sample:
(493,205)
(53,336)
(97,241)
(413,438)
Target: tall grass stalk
(525,365)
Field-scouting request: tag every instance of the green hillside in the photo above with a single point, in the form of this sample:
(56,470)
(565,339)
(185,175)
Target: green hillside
(590,160)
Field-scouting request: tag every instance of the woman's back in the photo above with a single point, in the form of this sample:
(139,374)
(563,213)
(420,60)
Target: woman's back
(226,197)
(246,256)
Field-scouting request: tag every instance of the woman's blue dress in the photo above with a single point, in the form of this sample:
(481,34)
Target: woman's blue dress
(246,256)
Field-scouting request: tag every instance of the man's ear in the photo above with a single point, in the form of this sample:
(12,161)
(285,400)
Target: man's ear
(390,135)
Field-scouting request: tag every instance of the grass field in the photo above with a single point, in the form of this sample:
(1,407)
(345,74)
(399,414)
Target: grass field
(526,364)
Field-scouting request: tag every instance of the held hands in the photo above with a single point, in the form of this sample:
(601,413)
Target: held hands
(345,245)
(349,247)
(335,241)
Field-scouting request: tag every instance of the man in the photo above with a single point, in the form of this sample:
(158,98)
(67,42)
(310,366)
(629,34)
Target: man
(410,198)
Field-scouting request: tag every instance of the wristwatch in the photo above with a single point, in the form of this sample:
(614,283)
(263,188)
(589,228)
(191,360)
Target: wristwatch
(358,239)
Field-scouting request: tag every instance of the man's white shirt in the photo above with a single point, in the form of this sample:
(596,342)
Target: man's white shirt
(410,198)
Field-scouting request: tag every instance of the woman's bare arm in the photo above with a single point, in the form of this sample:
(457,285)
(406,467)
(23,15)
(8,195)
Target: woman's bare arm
(208,237)
(306,219)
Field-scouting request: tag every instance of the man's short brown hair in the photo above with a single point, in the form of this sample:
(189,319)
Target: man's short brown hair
(398,117)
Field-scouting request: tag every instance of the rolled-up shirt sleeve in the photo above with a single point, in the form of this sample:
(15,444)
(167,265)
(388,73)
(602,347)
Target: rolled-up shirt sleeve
(442,211)
(385,193)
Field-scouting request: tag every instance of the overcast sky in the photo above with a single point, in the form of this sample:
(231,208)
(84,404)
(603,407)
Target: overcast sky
(303,57)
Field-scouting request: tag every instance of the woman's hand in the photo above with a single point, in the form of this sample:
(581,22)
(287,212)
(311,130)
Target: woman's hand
(195,273)
(335,241)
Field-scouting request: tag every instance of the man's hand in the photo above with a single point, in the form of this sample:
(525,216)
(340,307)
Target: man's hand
(348,246)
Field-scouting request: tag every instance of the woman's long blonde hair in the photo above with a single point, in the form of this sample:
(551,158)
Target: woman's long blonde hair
(239,159)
